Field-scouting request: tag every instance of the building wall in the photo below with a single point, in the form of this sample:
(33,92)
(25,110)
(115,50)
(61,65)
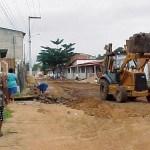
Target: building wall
(6,63)
(12,41)
(147,70)
(80,56)
(80,63)
(83,72)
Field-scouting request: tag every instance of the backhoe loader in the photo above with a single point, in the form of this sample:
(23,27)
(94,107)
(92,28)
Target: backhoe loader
(122,72)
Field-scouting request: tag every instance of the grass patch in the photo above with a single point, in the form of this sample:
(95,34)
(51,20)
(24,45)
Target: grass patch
(19,94)
(7,113)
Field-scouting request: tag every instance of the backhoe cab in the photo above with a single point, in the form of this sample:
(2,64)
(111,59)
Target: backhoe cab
(122,72)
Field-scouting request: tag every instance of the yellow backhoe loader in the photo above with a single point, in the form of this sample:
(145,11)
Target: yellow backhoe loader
(122,72)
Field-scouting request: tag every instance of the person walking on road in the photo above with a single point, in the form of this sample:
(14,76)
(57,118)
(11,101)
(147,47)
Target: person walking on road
(2,100)
(11,83)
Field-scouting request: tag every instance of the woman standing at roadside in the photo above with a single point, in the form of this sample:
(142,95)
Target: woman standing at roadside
(11,83)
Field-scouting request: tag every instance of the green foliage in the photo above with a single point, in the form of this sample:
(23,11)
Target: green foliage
(55,57)
(119,49)
(99,57)
(18,94)
(7,113)
(35,67)
(105,47)
(57,42)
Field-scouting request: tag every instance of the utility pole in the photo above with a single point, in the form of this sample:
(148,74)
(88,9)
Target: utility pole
(24,55)
(14,51)
(30,61)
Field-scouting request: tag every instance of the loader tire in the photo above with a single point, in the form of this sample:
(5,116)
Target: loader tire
(104,89)
(121,95)
(148,98)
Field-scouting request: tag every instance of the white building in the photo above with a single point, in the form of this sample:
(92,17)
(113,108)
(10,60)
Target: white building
(11,48)
(11,42)
(82,64)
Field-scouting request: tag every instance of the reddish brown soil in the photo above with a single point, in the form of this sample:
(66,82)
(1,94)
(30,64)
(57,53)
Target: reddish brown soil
(84,122)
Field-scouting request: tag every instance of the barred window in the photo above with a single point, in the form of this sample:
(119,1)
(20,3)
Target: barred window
(82,69)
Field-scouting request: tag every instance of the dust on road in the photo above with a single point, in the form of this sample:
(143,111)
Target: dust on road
(84,122)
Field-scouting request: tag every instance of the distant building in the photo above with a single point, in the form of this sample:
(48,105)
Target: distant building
(11,48)
(82,64)
(11,43)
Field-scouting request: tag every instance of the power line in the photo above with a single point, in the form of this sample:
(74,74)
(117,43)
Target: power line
(30,63)
(33,7)
(21,19)
(10,14)
(28,7)
(2,18)
(34,15)
(39,8)
(6,14)
(30,11)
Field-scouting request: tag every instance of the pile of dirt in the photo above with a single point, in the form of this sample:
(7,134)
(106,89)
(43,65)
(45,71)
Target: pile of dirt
(139,43)
(89,80)
(65,128)
(57,94)
(31,79)
(107,109)
(85,96)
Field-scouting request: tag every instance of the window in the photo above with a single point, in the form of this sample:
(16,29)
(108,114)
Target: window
(82,69)
(69,70)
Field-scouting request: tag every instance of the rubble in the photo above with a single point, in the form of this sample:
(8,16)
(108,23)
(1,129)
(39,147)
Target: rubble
(139,43)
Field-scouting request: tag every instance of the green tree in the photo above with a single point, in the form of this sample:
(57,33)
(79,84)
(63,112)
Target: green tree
(99,57)
(119,49)
(35,67)
(58,41)
(55,57)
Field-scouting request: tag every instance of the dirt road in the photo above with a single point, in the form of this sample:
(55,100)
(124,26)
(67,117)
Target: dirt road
(84,122)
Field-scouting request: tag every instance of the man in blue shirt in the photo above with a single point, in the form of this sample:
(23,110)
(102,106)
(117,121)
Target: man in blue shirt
(42,87)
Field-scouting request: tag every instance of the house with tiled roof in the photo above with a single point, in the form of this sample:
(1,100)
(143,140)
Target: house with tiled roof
(82,64)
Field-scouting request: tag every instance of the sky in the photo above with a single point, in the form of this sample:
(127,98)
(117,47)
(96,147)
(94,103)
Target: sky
(91,24)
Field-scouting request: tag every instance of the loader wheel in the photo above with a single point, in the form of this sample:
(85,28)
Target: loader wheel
(148,98)
(121,95)
(104,89)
